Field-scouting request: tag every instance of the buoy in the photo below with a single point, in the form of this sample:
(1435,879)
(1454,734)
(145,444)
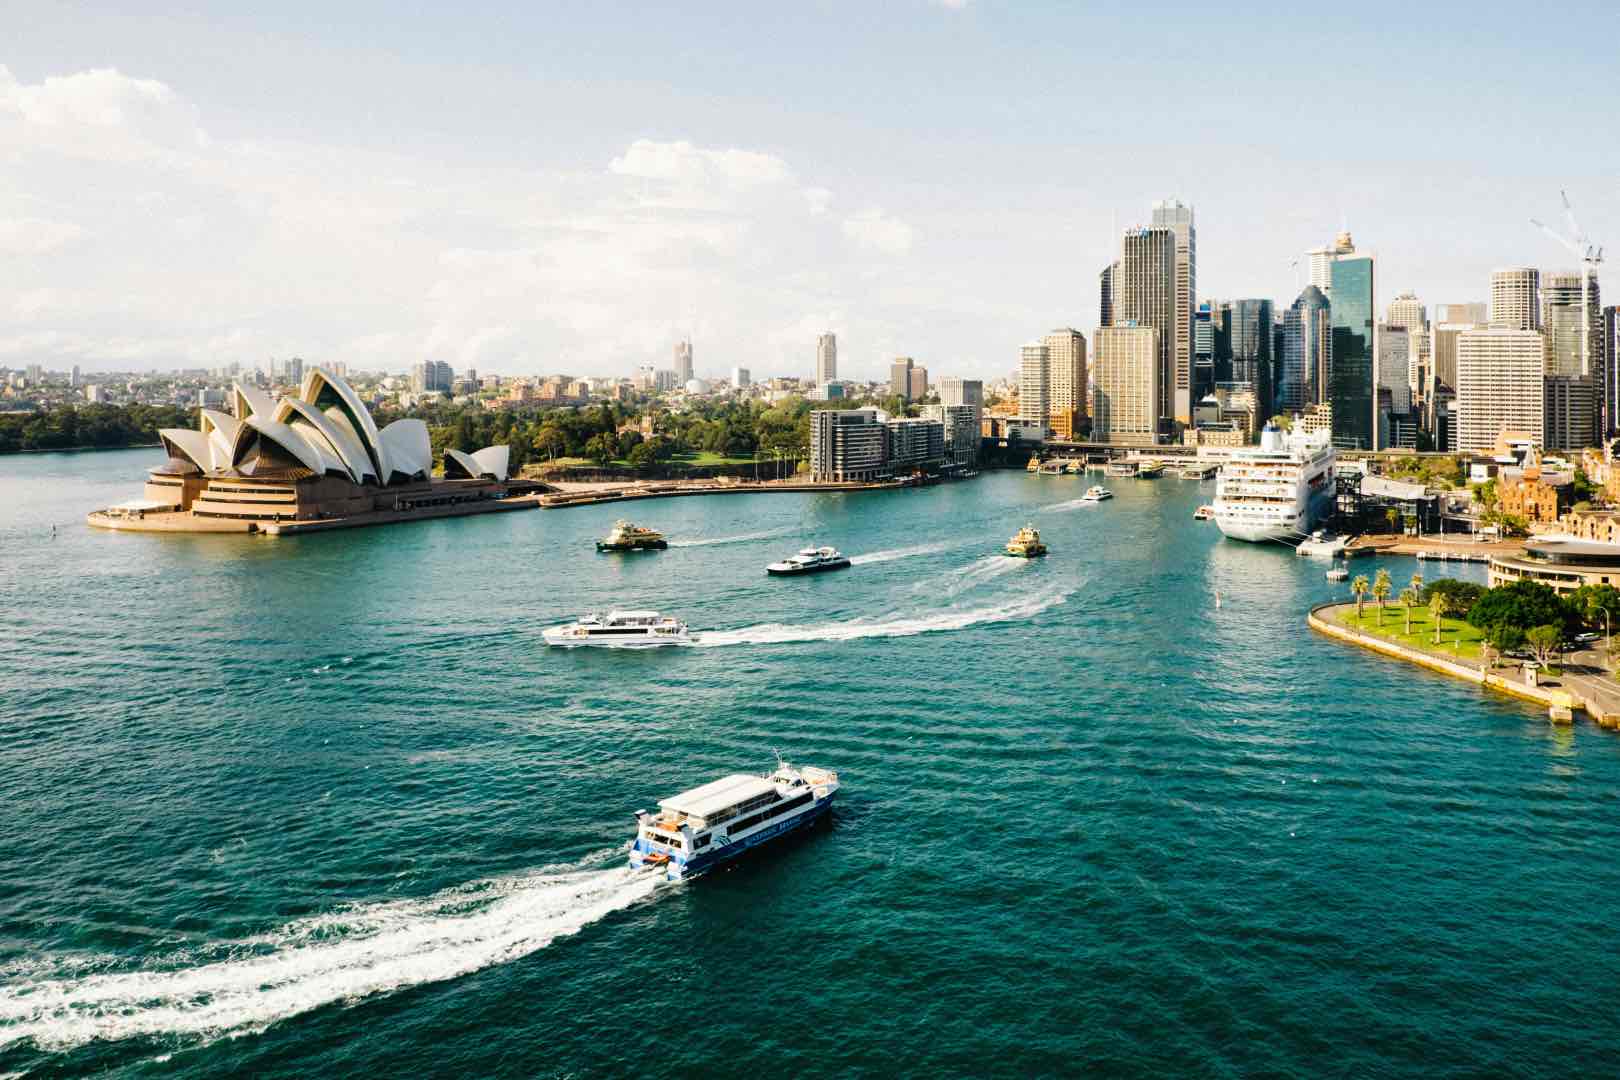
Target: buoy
(1217,598)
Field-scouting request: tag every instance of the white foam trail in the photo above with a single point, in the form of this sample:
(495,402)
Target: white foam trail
(975,573)
(889,626)
(1062,507)
(896,553)
(341,956)
(743,539)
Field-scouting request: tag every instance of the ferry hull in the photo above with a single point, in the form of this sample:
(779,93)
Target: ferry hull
(841,564)
(640,545)
(680,868)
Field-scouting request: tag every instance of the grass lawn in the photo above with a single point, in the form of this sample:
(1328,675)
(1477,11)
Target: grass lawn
(709,457)
(1466,638)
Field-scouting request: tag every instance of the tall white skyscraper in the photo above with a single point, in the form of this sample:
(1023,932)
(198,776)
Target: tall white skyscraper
(1500,386)
(1408,311)
(1034,382)
(683,362)
(1067,354)
(1394,366)
(826,358)
(741,378)
(1516,298)
(1320,262)
(1172,215)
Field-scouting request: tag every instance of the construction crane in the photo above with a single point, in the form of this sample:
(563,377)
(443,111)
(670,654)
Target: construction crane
(1591,256)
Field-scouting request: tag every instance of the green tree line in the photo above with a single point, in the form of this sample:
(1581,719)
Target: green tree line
(68,426)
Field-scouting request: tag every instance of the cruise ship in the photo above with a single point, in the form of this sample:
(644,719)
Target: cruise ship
(1277,490)
(698,830)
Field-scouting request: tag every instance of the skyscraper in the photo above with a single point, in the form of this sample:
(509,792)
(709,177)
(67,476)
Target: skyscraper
(683,362)
(1147,297)
(1172,215)
(1307,337)
(917,384)
(826,358)
(1499,386)
(1125,370)
(1066,350)
(1407,310)
(900,377)
(741,378)
(1574,352)
(1108,293)
(295,372)
(1321,262)
(1203,375)
(1516,298)
(1394,366)
(1034,382)
(1472,313)
(958,391)
(1252,349)
(1351,388)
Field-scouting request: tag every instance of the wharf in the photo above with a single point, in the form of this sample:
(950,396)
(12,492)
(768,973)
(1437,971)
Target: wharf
(1433,547)
(605,493)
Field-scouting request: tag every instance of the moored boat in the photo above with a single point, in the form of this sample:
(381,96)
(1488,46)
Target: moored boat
(810,561)
(1150,470)
(620,630)
(1026,543)
(700,829)
(1338,573)
(625,536)
(1204,513)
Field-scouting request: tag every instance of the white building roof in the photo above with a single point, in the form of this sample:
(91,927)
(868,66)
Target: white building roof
(717,795)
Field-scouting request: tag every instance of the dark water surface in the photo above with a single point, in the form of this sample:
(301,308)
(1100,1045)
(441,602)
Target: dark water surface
(325,804)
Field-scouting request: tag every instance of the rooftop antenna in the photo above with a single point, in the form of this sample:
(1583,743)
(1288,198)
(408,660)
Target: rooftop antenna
(1591,256)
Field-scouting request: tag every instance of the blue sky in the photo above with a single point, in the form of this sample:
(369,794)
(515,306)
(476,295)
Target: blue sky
(536,188)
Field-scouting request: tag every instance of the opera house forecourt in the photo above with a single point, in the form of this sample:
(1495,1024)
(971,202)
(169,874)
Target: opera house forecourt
(309,461)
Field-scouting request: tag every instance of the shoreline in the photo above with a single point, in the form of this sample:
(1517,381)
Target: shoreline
(81,449)
(1559,701)
(678,489)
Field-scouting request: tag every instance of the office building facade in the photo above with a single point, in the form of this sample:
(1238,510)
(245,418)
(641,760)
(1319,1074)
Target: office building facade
(917,383)
(900,377)
(1499,387)
(1516,298)
(683,362)
(1307,336)
(1035,382)
(1126,371)
(847,445)
(1147,297)
(826,358)
(1351,387)
(1066,380)
(1178,219)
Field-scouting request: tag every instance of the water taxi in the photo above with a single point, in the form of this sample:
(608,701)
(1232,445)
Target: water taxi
(627,537)
(1026,544)
(810,561)
(1034,464)
(620,630)
(699,829)
(1096,494)
(1204,513)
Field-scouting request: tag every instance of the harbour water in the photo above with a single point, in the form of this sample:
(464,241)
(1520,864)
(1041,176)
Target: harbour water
(325,804)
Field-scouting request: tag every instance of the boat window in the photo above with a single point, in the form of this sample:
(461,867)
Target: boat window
(701,842)
(775,811)
(672,841)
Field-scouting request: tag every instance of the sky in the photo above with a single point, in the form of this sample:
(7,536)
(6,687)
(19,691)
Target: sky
(532,188)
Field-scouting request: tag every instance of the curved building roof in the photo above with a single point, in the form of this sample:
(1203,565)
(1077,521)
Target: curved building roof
(491,461)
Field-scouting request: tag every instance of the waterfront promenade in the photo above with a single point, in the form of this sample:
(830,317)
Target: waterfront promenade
(1582,681)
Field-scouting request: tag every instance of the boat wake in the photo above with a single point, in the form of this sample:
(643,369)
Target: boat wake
(1064,507)
(743,539)
(974,574)
(341,956)
(888,626)
(897,553)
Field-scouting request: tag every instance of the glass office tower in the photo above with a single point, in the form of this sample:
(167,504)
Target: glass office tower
(1351,389)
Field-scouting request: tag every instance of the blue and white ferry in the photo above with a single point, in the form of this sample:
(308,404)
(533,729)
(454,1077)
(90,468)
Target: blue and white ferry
(698,830)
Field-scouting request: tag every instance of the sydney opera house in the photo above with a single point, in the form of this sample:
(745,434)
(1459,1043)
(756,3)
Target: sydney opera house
(311,460)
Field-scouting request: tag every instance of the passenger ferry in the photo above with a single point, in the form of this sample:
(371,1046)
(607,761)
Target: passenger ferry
(627,537)
(1026,543)
(620,630)
(810,561)
(1277,490)
(1151,470)
(1121,468)
(698,830)
(1034,463)
(1096,494)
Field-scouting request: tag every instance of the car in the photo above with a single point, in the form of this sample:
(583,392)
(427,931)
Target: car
(1587,639)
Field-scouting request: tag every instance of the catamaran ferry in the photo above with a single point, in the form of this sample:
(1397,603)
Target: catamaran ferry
(620,630)
(698,830)
(1277,490)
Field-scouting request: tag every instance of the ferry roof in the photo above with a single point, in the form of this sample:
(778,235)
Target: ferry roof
(717,795)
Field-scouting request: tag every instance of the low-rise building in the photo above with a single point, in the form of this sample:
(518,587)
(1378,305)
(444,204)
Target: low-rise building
(1561,562)
(1538,495)
(847,445)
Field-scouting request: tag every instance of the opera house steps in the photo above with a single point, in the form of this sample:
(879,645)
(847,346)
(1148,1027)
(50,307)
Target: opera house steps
(311,461)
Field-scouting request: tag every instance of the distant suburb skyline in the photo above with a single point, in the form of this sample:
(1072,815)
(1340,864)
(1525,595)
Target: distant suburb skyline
(528,189)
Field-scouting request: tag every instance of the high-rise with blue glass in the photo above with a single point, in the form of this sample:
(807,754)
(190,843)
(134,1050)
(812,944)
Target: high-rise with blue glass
(1352,391)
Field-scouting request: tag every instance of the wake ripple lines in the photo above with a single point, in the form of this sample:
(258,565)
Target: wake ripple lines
(341,956)
(897,553)
(743,539)
(889,626)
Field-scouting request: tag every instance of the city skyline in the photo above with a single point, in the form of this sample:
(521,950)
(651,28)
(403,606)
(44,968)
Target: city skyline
(493,207)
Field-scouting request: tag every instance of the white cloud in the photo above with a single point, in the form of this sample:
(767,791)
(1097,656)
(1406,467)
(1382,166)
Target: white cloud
(100,114)
(818,199)
(682,163)
(954,5)
(873,230)
(34,236)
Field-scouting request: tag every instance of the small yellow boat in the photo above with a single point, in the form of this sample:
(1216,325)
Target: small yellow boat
(1026,544)
(1034,463)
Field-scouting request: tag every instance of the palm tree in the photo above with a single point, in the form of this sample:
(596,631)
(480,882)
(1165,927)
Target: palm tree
(1381,589)
(1394,517)
(1359,587)
(1417,583)
(1440,606)
(1409,597)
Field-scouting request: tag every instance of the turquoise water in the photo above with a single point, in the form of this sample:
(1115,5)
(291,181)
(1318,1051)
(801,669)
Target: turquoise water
(325,804)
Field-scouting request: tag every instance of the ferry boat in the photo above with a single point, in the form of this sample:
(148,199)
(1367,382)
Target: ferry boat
(1338,573)
(620,630)
(627,537)
(700,829)
(1026,543)
(1277,490)
(810,561)
(1121,468)
(1150,470)
(1096,494)
(1034,464)
(1204,513)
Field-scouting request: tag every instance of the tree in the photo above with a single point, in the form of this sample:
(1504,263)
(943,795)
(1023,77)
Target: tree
(1504,639)
(1409,597)
(1597,605)
(1381,589)
(1485,495)
(1544,641)
(1393,516)
(1524,604)
(600,448)
(1359,587)
(1464,594)
(1441,604)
